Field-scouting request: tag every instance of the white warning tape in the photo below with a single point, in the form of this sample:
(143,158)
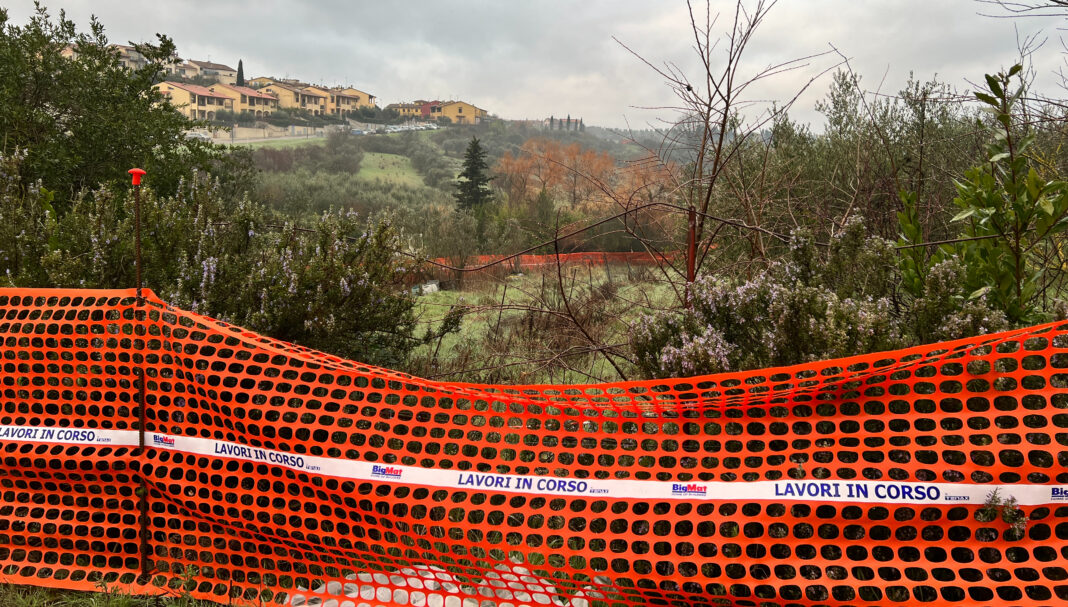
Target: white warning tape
(73,436)
(882,492)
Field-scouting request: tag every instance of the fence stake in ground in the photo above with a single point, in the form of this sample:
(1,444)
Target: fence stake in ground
(136,175)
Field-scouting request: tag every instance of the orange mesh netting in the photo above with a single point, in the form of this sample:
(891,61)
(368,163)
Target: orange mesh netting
(518,263)
(278,475)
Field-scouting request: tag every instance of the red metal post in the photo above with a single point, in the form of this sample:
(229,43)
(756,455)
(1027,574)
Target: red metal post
(691,256)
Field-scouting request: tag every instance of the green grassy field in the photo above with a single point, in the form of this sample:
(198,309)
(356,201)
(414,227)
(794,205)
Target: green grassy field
(487,328)
(389,167)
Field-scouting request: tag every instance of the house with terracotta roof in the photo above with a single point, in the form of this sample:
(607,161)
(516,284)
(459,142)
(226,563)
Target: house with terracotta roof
(420,108)
(406,110)
(182,69)
(221,73)
(293,97)
(461,112)
(288,96)
(259,81)
(347,99)
(129,56)
(248,100)
(197,102)
(314,99)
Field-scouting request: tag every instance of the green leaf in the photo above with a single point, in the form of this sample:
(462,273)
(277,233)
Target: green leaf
(1046,206)
(1016,69)
(987,99)
(995,86)
(1024,143)
(963,215)
(976,294)
(1034,184)
(999,157)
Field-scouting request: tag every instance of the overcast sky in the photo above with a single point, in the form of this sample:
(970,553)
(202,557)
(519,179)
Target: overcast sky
(536,59)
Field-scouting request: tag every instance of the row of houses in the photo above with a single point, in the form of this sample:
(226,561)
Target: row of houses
(203,102)
(458,112)
(320,101)
(264,95)
(131,58)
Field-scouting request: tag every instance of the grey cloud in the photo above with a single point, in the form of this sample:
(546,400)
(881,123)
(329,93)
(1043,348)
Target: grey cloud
(533,59)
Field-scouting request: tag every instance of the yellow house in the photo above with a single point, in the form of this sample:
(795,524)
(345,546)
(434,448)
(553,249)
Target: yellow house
(260,82)
(407,110)
(292,97)
(347,99)
(219,72)
(197,102)
(247,100)
(461,112)
(129,56)
(183,69)
(288,97)
(366,99)
(314,99)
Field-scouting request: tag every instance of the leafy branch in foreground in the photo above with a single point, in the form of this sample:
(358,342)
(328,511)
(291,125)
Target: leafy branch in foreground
(81,118)
(1006,508)
(1007,198)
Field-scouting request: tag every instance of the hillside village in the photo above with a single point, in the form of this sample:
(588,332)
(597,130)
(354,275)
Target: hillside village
(207,91)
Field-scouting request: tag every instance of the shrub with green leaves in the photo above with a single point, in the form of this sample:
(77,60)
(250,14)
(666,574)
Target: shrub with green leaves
(1009,210)
(1011,219)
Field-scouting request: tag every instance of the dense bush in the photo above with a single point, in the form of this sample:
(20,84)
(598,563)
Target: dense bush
(336,284)
(809,306)
(229,118)
(301,117)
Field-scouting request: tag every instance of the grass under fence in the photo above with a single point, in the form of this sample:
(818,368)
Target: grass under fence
(513,321)
(32,596)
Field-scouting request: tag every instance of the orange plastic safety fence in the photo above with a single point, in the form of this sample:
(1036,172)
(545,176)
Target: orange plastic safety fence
(521,263)
(283,476)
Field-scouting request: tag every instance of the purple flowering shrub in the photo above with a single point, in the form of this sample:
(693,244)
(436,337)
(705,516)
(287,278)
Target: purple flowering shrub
(336,285)
(27,220)
(816,303)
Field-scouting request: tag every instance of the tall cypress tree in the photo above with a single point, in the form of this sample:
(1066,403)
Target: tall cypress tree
(472,186)
(240,73)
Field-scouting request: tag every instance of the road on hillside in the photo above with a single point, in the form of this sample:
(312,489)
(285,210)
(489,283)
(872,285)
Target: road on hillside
(240,140)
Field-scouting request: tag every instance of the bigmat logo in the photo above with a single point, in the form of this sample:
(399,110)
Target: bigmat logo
(385,472)
(163,441)
(689,489)
(1059,494)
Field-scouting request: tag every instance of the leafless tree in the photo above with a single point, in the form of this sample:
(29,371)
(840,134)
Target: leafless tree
(719,113)
(1031,8)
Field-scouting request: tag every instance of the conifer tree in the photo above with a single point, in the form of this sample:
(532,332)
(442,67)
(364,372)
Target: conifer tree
(472,187)
(240,73)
